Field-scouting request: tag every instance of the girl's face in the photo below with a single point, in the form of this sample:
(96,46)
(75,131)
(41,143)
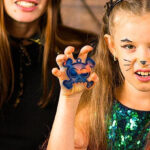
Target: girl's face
(25,10)
(130,43)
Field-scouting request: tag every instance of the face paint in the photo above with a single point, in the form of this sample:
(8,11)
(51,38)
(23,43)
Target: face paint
(143,71)
(129,63)
(131,40)
(137,62)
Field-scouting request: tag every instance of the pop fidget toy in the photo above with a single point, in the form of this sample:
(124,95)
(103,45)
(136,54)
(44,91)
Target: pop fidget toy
(78,72)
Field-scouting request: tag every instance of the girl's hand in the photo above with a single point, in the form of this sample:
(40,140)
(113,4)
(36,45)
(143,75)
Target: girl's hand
(62,75)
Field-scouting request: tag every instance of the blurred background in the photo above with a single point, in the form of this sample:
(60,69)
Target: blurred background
(83,14)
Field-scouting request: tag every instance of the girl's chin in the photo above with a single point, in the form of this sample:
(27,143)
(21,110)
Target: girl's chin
(143,88)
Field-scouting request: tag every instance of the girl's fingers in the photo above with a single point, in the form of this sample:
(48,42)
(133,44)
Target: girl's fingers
(93,77)
(61,75)
(68,52)
(84,52)
(60,59)
(56,72)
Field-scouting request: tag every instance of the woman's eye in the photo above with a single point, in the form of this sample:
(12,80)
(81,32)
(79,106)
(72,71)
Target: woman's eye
(128,46)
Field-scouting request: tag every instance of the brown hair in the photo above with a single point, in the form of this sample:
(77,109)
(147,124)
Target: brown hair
(6,67)
(110,76)
(147,147)
(57,37)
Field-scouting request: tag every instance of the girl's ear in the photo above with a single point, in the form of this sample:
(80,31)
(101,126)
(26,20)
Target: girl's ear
(110,43)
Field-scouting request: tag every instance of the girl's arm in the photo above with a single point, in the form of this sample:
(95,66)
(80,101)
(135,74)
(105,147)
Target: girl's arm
(62,136)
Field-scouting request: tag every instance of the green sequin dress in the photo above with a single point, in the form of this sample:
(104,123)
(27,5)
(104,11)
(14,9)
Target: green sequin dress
(127,128)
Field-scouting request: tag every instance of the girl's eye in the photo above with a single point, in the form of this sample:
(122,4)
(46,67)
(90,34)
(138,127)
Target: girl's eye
(128,46)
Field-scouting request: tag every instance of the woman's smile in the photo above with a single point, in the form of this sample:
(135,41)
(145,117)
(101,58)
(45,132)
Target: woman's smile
(27,5)
(25,11)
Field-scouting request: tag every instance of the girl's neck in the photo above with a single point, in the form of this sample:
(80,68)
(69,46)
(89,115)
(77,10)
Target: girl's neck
(133,98)
(22,30)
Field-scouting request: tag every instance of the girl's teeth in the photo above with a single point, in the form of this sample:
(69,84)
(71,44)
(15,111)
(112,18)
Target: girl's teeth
(146,74)
(139,73)
(143,73)
(26,4)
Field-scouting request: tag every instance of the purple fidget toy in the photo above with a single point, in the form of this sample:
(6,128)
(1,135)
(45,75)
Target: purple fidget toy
(78,72)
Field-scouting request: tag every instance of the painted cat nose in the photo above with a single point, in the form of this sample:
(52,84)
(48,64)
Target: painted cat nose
(143,62)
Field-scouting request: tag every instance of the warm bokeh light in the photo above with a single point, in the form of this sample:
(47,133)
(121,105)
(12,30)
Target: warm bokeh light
(76,14)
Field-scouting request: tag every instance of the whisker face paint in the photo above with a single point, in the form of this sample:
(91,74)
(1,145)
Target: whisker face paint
(126,60)
(127,64)
(128,69)
(142,68)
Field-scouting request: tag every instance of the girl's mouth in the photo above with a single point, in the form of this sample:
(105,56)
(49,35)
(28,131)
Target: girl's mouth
(143,75)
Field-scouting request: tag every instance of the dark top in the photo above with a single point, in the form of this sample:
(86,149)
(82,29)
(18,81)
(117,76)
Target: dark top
(27,126)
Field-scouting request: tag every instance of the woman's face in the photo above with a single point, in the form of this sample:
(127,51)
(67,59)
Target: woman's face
(25,11)
(130,42)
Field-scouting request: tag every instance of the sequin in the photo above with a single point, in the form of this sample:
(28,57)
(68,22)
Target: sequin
(127,128)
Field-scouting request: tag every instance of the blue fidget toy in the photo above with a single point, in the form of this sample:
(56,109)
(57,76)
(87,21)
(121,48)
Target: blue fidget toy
(78,72)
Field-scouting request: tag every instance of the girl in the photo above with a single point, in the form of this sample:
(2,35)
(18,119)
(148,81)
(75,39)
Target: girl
(116,114)
(30,37)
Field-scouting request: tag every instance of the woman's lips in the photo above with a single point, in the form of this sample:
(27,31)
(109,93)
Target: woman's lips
(31,1)
(26,5)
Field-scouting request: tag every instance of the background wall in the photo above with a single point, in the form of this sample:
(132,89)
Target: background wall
(83,14)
